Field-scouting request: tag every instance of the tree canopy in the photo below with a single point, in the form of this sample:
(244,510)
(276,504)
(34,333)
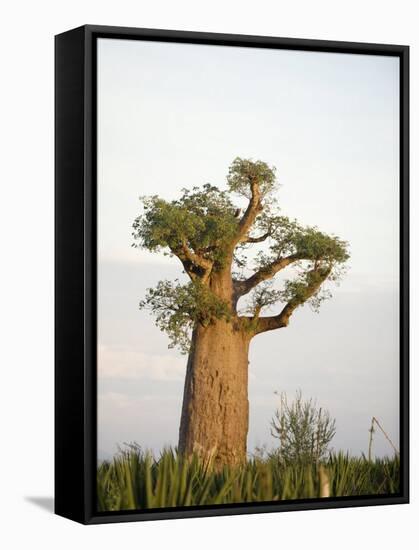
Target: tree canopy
(212,237)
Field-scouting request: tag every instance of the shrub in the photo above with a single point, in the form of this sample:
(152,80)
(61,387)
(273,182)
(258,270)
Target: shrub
(304,431)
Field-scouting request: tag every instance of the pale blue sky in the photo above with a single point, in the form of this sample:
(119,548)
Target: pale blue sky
(176,115)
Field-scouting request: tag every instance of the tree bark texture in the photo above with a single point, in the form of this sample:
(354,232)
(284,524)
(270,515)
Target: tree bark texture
(215,411)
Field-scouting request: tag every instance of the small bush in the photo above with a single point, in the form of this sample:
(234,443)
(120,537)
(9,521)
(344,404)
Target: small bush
(304,431)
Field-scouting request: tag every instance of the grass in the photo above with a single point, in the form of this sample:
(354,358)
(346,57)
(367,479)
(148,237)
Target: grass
(135,480)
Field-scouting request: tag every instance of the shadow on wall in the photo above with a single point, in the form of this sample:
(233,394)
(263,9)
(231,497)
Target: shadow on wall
(46,503)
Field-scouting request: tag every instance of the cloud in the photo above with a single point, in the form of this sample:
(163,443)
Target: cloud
(129,364)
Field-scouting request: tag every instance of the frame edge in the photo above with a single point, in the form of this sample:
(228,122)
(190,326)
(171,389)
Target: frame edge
(69,478)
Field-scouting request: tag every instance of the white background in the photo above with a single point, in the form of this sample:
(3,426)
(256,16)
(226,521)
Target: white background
(26,217)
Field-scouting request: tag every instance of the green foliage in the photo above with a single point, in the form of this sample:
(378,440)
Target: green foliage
(135,480)
(203,219)
(304,432)
(178,307)
(297,291)
(312,244)
(243,172)
(287,237)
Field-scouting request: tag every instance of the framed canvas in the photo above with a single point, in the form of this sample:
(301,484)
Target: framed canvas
(231,274)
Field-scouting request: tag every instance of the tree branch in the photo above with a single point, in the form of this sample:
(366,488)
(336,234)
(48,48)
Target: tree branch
(195,266)
(282,319)
(257,311)
(264,274)
(195,258)
(256,239)
(252,210)
(189,268)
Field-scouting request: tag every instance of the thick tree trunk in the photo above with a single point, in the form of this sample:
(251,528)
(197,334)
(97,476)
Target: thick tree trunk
(215,412)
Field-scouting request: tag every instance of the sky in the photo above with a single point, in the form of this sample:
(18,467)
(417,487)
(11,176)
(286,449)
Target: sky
(173,116)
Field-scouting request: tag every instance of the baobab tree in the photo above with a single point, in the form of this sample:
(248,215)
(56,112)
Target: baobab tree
(215,315)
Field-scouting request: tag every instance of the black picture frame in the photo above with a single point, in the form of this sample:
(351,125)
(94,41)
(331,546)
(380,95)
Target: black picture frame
(76,270)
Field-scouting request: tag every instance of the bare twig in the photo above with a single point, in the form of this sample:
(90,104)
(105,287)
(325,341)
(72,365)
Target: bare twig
(371,430)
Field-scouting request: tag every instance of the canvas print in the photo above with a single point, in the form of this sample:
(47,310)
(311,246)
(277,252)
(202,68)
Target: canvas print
(248,275)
